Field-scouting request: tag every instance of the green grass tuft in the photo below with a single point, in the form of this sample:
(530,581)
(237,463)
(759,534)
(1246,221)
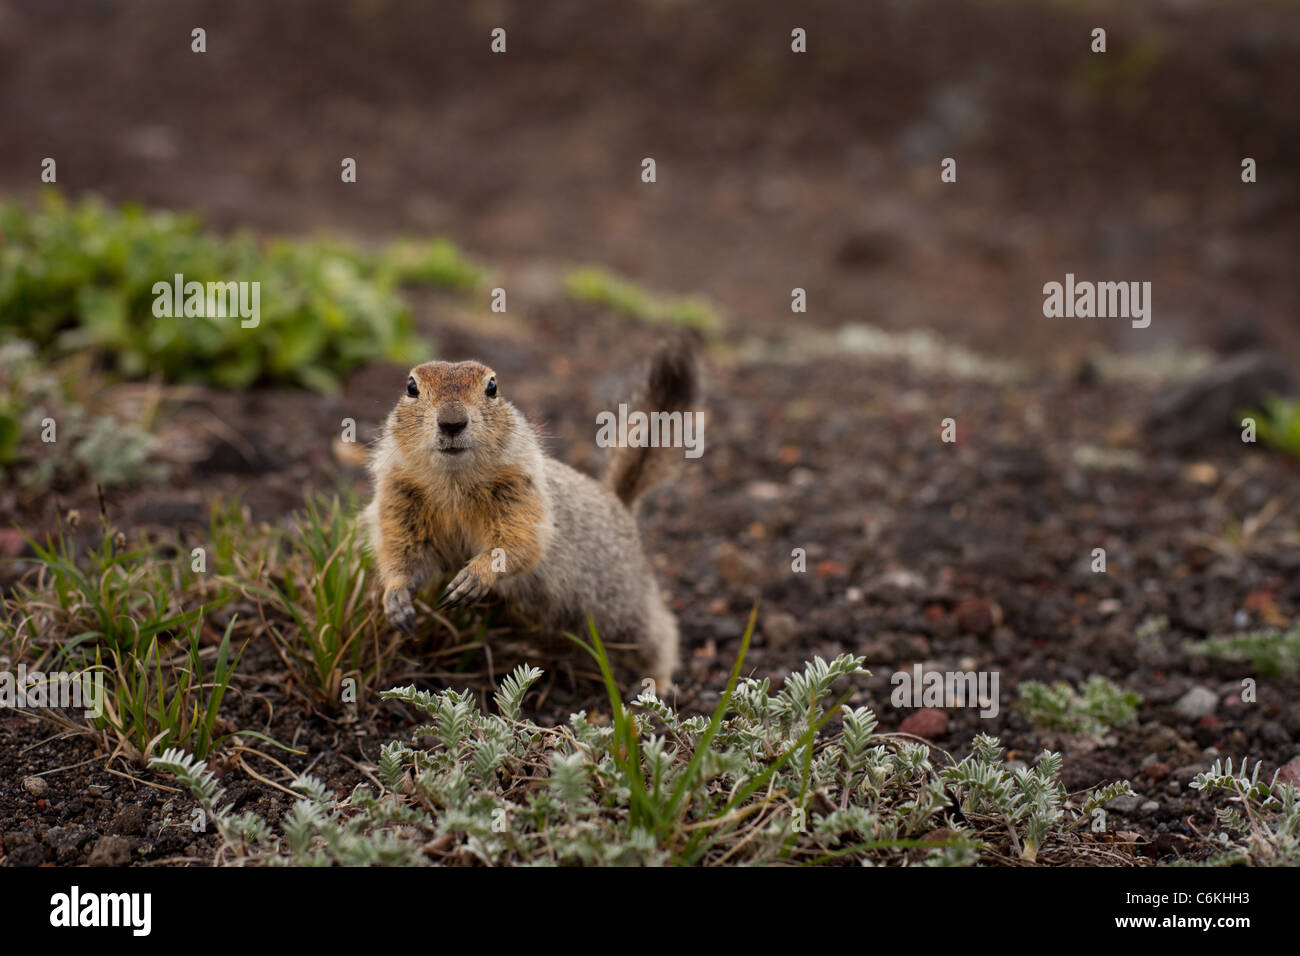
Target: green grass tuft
(597,286)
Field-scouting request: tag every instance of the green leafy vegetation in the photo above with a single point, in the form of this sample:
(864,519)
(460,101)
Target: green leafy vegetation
(1094,709)
(1278,425)
(1262,821)
(764,779)
(438,263)
(1271,652)
(1031,801)
(83,276)
(599,287)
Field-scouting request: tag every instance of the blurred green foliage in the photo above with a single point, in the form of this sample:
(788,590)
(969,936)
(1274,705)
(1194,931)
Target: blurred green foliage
(1278,425)
(82,276)
(595,285)
(1098,706)
(1272,652)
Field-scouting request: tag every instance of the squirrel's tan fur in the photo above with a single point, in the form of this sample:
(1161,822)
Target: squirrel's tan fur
(463,487)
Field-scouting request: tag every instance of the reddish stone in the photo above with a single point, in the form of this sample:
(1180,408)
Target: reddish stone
(1156,771)
(12,543)
(1290,773)
(978,616)
(926,722)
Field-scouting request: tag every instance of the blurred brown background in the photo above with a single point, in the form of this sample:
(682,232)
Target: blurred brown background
(775,170)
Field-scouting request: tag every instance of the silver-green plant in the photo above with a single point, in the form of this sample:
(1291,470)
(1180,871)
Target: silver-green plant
(318,830)
(1094,709)
(1032,802)
(1270,652)
(1260,824)
(765,779)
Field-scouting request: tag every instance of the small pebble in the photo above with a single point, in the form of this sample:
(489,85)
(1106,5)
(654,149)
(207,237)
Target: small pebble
(1196,703)
(1126,803)
(1156,771)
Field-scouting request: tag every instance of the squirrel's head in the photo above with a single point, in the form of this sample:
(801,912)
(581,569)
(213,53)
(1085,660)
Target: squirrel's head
(451,411)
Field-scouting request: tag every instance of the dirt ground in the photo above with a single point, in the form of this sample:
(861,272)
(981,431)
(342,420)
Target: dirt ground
(774,171)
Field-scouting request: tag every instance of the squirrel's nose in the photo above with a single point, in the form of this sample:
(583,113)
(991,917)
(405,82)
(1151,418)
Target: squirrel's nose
(452,421)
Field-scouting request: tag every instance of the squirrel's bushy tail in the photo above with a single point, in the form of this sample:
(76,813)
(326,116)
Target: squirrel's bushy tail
(672,387)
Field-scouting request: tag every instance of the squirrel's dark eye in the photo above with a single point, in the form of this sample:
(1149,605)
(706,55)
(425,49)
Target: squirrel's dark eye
(492,387)
(411,388)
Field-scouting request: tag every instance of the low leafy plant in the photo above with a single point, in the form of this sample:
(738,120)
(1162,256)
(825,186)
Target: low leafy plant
(1261,825)
(318,831)
(1271,652)
(764,779)
(1094,709)
(83,276)
(437,263)
(593,285)
(1031,801)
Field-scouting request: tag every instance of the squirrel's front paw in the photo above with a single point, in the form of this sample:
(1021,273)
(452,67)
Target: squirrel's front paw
(399,610)
(465,588)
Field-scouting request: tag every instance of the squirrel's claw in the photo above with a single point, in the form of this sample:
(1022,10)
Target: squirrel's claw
(466,588)
(399,610)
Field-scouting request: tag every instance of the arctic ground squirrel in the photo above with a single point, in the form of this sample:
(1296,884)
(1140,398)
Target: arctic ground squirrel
(463,488)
